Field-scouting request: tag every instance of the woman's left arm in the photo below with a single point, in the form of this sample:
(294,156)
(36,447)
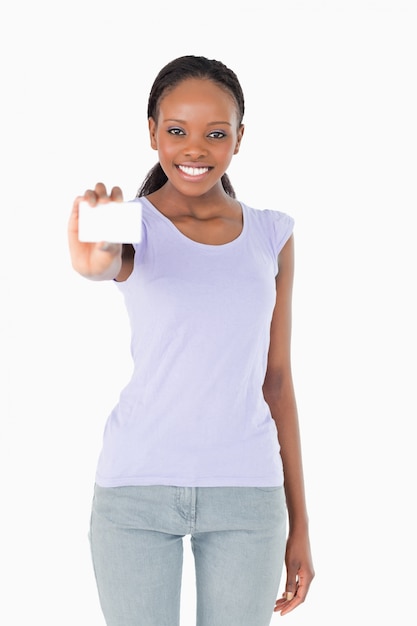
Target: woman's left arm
(279,394)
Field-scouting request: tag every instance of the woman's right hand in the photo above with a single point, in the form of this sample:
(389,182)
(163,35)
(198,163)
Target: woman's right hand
(97,261)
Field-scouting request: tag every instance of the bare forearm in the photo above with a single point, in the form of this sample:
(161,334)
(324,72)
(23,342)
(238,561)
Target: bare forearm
(283,407)
(293,475)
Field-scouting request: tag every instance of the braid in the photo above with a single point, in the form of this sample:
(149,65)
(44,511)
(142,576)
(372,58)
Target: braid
(155,179)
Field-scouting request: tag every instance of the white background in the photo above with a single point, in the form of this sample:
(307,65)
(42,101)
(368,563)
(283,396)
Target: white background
(331,139)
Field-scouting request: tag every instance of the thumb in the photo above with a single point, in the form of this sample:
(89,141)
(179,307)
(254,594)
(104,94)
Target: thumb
(292,582)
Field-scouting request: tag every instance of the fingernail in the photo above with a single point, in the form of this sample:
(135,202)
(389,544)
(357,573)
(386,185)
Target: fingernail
(289,595)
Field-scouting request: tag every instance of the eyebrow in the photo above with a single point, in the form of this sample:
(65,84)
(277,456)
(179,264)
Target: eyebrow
(209,123)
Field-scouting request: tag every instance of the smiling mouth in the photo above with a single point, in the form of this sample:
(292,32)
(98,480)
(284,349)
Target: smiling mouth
(193,171)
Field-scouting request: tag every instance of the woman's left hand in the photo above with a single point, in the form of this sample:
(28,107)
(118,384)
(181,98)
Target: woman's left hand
(300,573)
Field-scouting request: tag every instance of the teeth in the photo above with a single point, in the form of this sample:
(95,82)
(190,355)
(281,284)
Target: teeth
(193,171)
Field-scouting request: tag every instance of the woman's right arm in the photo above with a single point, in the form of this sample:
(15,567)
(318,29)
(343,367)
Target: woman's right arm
(98,261)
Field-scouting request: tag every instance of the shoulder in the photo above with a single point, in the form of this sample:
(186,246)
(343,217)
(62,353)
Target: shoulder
(268,216)
(275,225)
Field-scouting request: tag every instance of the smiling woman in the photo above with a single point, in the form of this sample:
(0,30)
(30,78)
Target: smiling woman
(207,427)
(196,132)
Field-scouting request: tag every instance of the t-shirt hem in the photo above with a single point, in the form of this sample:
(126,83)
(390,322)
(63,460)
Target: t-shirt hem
(218,481)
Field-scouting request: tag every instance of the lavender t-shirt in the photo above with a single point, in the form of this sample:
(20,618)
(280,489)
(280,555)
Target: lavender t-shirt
(193,413)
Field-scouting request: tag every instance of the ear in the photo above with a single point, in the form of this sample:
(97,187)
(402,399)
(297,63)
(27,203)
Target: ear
(239,138)
(152,133)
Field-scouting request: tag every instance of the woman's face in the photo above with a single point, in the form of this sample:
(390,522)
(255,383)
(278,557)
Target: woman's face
(196,135)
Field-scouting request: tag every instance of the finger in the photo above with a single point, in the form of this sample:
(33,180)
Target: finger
(285,608)
(285,601)
(288,605)
(91,197)
(116,195)
(101,192)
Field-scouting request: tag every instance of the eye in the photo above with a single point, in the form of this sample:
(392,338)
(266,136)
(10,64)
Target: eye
(176,131)
(217,134)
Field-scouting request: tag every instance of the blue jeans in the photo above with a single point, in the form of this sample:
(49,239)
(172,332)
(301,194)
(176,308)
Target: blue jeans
(238,537)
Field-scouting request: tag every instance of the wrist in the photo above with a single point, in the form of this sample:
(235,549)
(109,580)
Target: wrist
(298,524)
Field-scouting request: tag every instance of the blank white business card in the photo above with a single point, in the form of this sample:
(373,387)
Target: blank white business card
(115,222)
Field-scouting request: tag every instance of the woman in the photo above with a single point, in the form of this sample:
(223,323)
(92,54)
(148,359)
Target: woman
(206,429)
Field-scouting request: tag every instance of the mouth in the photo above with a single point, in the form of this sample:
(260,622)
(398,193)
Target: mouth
(193,171)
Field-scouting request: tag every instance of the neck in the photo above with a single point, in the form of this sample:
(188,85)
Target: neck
(172,203)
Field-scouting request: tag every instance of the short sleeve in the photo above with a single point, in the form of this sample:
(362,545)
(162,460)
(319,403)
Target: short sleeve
(283,229)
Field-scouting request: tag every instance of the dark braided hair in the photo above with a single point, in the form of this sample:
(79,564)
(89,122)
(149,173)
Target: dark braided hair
(168,78)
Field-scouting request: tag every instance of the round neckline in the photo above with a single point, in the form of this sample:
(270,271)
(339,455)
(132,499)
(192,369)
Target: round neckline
(208,246)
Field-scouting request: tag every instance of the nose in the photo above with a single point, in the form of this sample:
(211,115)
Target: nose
(195,147)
